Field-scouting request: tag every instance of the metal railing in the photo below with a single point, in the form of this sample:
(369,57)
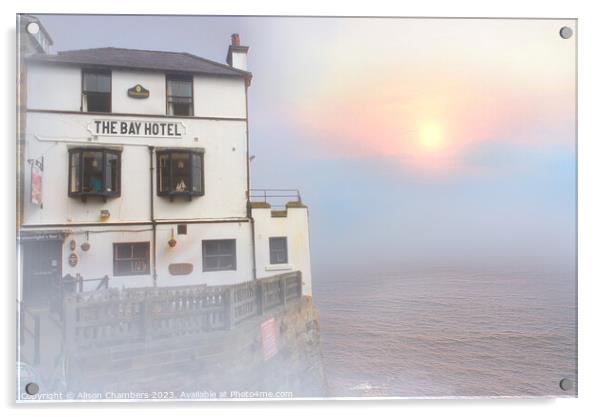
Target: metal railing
(277,198)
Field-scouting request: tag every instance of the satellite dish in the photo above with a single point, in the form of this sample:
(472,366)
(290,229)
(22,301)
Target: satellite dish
(33,28)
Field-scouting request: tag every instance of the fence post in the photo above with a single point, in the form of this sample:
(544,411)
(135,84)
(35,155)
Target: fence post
(146,318)
(259,296)
(229,308)
(299,284)
(282,282)
(69,322)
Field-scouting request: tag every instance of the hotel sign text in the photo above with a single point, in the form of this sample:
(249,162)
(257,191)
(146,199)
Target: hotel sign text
(137,128)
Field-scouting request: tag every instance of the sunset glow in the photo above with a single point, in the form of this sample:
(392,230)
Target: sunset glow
(441,97)
(430,136)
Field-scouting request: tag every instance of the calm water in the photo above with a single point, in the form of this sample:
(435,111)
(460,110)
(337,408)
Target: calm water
(447,333)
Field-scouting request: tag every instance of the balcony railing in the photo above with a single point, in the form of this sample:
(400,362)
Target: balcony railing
(120,317)
(277,198)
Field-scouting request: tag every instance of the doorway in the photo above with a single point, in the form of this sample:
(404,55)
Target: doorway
(42,271)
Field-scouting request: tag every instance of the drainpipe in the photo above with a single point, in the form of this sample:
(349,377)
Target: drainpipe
(249,211)
(151,150)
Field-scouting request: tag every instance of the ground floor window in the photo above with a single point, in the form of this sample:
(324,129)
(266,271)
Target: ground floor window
(219,255)
(278,250)
(132,258)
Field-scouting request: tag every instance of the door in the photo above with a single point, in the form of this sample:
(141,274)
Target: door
(41,271)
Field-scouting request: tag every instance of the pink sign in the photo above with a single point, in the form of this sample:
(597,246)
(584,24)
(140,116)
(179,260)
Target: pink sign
(36,182)
(269,338)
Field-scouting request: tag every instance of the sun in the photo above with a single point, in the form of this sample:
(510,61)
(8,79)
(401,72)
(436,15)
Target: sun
(430,136)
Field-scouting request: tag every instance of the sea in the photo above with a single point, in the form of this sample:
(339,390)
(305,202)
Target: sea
(449,332)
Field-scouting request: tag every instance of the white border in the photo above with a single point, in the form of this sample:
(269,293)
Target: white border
(590,205)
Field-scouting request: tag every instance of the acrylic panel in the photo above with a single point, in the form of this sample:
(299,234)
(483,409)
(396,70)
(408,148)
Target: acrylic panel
(168,168)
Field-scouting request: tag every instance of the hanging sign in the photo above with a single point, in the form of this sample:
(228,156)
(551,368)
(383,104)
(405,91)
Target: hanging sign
(137,128)
(37,171)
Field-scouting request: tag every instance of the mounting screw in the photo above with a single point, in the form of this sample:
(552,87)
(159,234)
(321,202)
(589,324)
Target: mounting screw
(32,388)
(566,32)
(566,384)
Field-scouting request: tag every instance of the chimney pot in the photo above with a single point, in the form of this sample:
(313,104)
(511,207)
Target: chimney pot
(235,39)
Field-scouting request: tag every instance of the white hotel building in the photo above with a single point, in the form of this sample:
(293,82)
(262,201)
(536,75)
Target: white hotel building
(134,165)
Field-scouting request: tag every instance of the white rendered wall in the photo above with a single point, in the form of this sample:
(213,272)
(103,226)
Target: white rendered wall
(154,82)
(58,88)
(54,87)
(98,260)
(219,97)
(295,226)
(50,135)
(189,250)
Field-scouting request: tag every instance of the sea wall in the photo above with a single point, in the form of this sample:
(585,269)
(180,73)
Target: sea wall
(274,354)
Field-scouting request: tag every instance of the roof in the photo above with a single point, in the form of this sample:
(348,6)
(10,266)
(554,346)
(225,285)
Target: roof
(142,59)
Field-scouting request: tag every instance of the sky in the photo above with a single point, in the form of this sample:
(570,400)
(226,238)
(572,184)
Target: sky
(414,142)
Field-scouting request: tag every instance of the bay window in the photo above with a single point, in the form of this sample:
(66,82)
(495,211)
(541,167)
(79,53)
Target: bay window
(94,172)
(180,173)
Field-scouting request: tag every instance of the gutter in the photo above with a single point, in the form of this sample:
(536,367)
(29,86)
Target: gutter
(249,211)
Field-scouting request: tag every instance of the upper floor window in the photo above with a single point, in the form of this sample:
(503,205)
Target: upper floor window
(180,172)
(179,95)
(96,91)
(94,172)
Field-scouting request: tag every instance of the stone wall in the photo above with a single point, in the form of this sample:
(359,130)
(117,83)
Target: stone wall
(220,364)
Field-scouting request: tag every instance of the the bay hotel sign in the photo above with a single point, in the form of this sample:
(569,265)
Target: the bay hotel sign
(137,128)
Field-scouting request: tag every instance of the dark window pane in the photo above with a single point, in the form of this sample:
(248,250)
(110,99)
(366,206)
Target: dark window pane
(97,91)
(75,173)
(179,87)
(112,173)
(139,251)
(97,82)
(98,102)
(123,251)
(179,96)
(180,109)
(92,162)
(197,173)
(163,173)
(219,255)
(180,171)
(131,258)
(278,250)
(210,264)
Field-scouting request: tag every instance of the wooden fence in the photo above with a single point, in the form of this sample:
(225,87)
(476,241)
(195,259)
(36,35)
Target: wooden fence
(113,317)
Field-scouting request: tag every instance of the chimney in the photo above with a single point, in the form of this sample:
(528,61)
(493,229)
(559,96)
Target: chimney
(237,55)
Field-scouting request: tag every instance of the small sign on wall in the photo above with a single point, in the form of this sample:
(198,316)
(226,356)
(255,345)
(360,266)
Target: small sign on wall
(269,338)
(138,91)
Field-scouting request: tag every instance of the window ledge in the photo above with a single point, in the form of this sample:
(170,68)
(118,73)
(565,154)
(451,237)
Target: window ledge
(279,267)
